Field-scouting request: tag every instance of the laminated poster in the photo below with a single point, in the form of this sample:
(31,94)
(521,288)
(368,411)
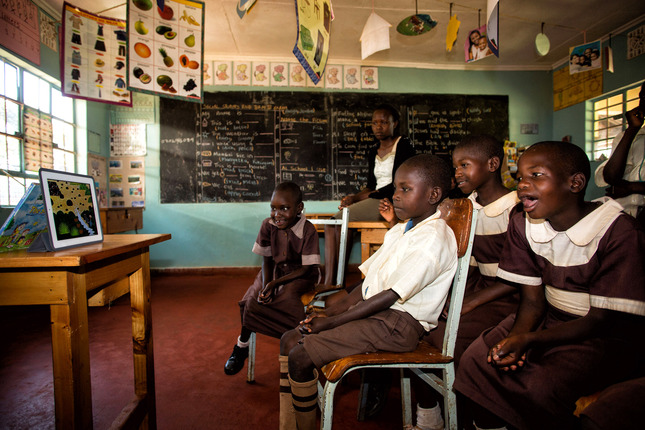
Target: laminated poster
(166,48)
(314,29)
(93,57)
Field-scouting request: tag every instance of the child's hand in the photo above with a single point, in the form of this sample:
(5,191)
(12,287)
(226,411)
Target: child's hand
(313,324)
(508,354)
(386,210)
(346,201)
(266,294)
(635,117)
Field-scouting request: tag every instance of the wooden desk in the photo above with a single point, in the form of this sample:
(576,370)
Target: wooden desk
(62,280)
(371,236)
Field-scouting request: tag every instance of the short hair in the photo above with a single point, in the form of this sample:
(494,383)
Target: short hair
(435,171)
(483,146)
(396,116)
(290,187)
(567,158)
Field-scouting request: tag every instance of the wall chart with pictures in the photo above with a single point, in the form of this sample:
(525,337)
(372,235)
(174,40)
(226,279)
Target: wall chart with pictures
(93,57)
(166,47)
(127,182)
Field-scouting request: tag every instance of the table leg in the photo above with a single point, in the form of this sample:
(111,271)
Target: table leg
(71,358)
(144,375)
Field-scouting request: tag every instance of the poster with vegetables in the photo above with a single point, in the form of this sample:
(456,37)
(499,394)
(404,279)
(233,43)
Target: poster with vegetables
(165,43)
(93,57)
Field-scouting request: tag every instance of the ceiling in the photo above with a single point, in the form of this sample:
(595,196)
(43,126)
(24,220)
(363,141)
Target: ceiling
(269,30)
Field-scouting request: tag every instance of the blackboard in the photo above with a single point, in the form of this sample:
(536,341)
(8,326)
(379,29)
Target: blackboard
(237,145)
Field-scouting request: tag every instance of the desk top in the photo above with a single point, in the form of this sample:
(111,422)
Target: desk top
(113,244)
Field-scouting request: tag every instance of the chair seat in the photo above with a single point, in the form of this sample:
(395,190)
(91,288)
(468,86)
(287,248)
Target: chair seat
(424,354)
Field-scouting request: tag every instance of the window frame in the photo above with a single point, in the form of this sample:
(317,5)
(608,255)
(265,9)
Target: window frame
(14,182)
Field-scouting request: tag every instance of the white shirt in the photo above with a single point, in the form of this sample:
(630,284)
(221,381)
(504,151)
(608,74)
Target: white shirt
(383,167)
(634,171)
(418,265)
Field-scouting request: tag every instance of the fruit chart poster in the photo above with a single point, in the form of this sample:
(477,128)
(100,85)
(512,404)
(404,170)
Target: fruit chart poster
(166,41)
(93,58)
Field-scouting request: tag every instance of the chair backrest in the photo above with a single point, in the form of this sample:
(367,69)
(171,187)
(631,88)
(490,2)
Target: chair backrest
(460,216)
(342,246)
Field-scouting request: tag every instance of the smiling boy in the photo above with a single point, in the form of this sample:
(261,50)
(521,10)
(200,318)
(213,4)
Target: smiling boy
(578,328)
(405,287)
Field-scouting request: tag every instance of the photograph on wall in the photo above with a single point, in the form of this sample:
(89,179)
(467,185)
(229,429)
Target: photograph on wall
(369,78)
(476,46)
(260,74)
(93,57)
(166,48)
(241,73)
(313,21)
(334,76)
(279,74)
(222,72)
(583,58)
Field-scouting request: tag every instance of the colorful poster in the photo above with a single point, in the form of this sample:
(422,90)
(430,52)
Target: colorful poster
(96,168)
(20,32)
(93,58)
(166,47)
(570,89)
(314,28)
(477,45)
(127,182)
(38,139)
(127,139)
(585,57)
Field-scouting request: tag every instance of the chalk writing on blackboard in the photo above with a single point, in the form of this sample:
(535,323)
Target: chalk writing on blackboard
(238,145)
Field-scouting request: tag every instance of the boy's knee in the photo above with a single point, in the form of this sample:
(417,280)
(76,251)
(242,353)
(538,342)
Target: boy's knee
(288,340)
(300,364)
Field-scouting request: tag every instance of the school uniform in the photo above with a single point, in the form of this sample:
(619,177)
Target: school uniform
(490,234)
(290,249)
(597,262)
(419,266)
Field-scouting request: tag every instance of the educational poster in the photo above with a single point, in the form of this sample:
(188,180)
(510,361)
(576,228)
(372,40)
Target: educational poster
(261,73)
(334,75)
(27,220)
(20,29)
(96,168)
(48,31)
(241,73)
(38,139)
(492,13)
(127,139)
(166,47)
(636,42)
(126,182)
(279,74)
(93,65)
(477,46)
(369,78)
(297,75)
(583,58)
(570,89)
(222,71)
(352,78)
(314,27)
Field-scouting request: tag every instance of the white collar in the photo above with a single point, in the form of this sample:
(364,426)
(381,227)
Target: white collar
(298,228)
(497,207)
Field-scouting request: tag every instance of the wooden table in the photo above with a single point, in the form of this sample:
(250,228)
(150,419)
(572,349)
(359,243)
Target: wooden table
(62,280)
(372,234)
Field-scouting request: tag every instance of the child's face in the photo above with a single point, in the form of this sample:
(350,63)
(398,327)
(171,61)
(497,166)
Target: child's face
(382,124)
(474,37)
(471,170)
(544,191)
(413,196)
(284,209)
(482,43)
(575,59)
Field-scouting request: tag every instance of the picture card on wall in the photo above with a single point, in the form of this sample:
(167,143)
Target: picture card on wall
(352,79)
(222,73)
(241,73)
(334,76)
(369,78)
(261,74)
(297,75)
(279,74)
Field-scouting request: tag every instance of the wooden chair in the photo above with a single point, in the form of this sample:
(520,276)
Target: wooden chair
(306,298)
(461,218)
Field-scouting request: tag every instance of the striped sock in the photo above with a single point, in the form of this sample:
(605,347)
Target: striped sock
(305,402)
(287,413)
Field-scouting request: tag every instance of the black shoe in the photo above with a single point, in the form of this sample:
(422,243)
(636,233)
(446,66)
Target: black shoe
(235,362)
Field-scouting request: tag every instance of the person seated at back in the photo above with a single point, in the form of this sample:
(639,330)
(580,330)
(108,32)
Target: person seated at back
(405,288)
(624,171)
(578,327)
(288,244)
(477,161)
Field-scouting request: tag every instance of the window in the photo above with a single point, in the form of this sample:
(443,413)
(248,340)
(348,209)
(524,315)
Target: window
(608,119)
(36,129)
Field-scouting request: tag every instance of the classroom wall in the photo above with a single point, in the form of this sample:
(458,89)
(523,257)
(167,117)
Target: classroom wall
(222,234)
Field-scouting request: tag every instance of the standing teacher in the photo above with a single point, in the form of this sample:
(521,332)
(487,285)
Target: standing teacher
(383,160)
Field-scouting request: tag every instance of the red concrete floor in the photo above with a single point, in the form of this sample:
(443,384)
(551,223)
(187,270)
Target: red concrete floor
(195,325)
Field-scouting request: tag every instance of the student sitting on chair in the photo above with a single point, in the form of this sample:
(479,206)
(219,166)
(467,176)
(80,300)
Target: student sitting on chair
(405,288)
(288,244)
(579,324)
